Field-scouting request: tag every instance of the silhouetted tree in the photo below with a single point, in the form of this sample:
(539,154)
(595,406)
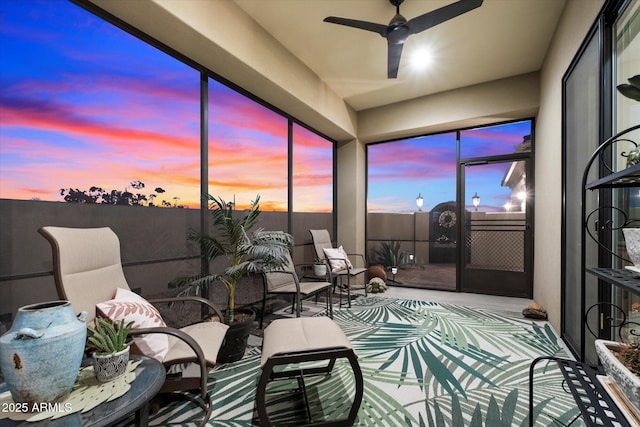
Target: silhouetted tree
(97,195)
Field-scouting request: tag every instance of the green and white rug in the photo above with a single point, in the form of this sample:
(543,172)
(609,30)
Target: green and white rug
(424,364)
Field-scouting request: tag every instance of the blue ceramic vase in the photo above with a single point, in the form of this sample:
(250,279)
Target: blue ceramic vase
(40,355)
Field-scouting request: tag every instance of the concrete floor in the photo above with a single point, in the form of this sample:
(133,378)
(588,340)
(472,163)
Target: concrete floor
(459,298)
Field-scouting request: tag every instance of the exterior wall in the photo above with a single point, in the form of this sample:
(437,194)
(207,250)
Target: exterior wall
(153,239)
(351,204)
(154,248)
(412,230)
(577,18)
(490,249)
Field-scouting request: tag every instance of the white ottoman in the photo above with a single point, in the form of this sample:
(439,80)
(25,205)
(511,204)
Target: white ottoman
(305,339)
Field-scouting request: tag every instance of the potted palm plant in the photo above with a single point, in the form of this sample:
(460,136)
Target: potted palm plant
(110,344)
(246,254)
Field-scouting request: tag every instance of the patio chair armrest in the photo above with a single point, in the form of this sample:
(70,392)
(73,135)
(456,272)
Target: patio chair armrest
(202,301)
(202,362)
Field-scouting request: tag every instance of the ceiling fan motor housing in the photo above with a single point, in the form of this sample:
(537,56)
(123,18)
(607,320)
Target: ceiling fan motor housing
(398,32)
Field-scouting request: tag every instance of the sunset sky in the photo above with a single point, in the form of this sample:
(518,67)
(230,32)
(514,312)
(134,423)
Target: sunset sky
(399,171)
(83,103)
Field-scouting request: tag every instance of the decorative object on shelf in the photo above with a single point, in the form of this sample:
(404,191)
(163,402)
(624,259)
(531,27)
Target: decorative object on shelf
(534,311)
(627,381)
(41,354)
(111,344)
(631,90)
(632,242)
(263,250)
(633,156)
(319,267)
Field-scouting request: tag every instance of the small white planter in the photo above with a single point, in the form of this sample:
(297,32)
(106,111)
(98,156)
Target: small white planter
(627,381)
(320,269)
(110,366)
(632,242)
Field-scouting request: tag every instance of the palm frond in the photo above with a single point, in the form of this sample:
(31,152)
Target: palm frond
(262,251)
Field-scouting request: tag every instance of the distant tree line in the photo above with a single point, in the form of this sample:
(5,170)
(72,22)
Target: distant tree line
(97,195)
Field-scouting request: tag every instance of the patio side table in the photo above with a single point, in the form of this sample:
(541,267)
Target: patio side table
(150,376)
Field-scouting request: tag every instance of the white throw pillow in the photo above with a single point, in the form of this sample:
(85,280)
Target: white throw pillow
(132,307)
(338,259)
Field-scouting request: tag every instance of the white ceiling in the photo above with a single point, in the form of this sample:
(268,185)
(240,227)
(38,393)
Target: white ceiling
(502,38)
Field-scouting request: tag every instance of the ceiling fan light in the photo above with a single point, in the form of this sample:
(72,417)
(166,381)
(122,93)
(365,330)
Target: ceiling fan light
(421,59)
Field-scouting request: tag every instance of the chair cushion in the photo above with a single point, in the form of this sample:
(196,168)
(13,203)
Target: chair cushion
(301,334)
(209,335)
(132,307)
(282,282)
(338,259)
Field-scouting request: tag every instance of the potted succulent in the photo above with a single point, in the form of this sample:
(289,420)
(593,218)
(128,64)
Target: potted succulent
(246,255)
(621,362)
(110,344)
(319,267)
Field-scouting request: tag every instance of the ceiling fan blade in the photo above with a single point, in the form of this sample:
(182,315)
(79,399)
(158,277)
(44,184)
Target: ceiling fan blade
(354,23)
(438,16)
(393,59)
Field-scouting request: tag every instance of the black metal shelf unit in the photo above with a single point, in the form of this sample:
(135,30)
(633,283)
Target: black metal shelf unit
(620,277)
(596,406)
(628,177)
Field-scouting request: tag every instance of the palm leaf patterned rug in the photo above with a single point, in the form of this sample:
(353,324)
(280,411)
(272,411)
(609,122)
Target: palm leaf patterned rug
(424,364)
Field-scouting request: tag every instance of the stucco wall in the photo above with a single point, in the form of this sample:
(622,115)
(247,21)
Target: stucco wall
(492,102)
(576,20)
(153,241)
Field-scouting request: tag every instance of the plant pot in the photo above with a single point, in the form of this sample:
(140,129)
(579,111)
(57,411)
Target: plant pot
(627,381)
(40,355)
(319,270)
(108,367)
(235,340)
(632,243)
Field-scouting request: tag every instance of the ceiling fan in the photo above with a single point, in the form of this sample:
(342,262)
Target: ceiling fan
(399,29)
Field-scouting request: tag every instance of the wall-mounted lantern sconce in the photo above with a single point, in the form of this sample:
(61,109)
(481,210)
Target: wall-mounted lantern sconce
(419,202)
(476,201)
